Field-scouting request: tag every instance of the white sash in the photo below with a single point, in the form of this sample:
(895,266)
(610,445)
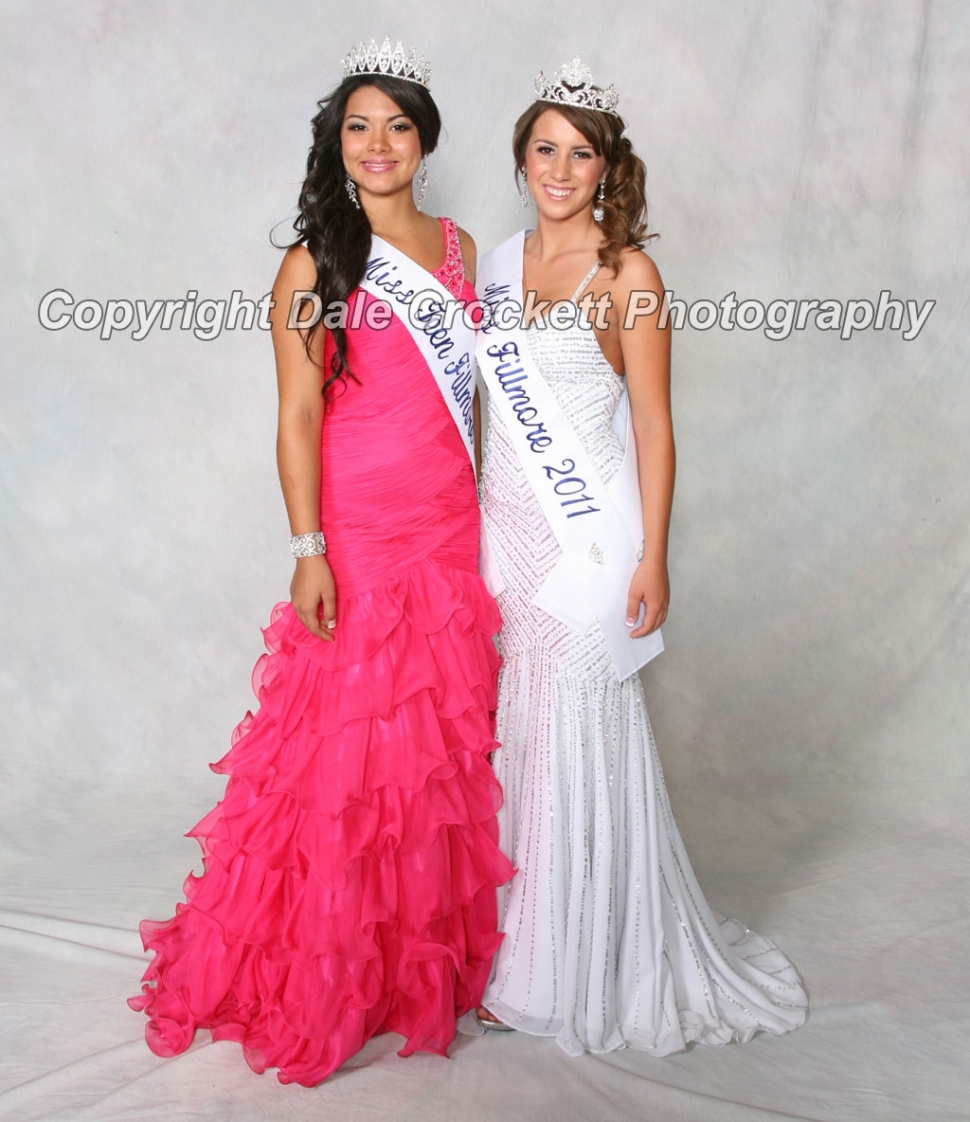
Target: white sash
(427,309)
(598,526)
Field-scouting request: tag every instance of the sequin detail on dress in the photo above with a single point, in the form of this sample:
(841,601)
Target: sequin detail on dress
(451,274)
(609,941)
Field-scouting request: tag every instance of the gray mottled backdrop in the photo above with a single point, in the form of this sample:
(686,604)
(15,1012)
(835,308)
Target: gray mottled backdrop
(812,706)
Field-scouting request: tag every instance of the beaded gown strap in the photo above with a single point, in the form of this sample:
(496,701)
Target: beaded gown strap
(583,283)
(452,273)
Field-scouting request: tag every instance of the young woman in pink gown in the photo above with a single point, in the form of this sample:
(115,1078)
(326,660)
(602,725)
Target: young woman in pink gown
(351,867)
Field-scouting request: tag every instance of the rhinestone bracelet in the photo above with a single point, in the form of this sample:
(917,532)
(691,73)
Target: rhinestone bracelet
(308,545)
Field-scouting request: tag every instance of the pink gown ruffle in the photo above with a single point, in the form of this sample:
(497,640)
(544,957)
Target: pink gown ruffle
(351,866)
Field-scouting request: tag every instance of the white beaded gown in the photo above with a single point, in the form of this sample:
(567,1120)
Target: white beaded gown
(609,942)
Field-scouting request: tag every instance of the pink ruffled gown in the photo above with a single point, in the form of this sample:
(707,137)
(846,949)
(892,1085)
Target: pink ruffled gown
(351,866)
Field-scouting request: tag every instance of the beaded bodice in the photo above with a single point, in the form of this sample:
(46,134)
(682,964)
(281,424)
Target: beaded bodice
(584,383)
(588,390)
(451,274)
(586,387)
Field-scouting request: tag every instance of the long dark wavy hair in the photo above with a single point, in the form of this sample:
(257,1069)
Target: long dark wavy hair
(625,205)
(334,231)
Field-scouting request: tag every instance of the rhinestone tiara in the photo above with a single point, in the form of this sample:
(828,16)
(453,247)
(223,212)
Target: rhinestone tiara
(383,59)
(573,85)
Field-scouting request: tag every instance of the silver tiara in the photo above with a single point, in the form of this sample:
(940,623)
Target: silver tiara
(374,59)
(573,85)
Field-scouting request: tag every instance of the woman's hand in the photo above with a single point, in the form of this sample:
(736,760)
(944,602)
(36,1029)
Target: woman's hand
(651,588)
(314,597)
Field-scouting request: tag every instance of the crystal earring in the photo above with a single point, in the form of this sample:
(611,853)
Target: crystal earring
(600,196)
(523,188)
(422,183)
(352,191)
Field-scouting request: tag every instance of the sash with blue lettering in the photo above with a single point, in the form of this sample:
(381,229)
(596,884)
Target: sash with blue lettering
(598,526)
(431,315)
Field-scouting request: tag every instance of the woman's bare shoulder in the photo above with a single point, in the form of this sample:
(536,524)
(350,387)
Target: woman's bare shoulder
(297,269)
(638,270)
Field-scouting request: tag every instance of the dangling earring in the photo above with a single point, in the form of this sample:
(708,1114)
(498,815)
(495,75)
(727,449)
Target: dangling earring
(352,191)
(422,182)
(600,196)
(524,189)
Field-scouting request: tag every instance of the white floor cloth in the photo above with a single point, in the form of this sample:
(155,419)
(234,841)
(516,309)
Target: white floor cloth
(876,914)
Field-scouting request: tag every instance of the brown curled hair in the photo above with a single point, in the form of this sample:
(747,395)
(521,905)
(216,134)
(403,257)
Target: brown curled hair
(625,205)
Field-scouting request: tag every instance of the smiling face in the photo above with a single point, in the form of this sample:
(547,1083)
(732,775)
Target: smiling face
(379,143)
(562,168)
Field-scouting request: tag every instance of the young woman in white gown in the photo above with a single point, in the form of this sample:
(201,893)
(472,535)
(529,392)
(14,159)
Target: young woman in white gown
(609,942)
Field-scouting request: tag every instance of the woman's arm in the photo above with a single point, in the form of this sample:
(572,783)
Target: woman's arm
(300,380)
(646,360)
